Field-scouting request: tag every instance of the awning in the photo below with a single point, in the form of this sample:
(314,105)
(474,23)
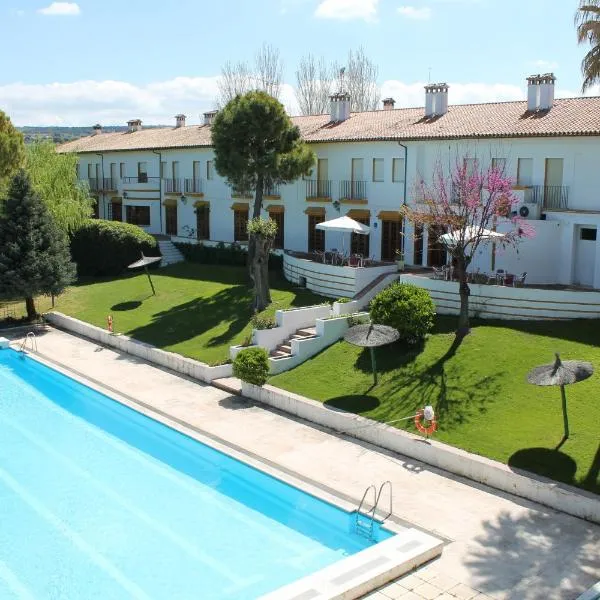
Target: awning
(315,211)
(359,213)
(201,203)
(240,206)
(275,208)
(390,215)
(170,202)
(116,200)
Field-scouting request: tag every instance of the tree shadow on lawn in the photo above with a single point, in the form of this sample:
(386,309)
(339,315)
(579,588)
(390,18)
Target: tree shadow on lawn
(354,403)
(388,358)
(592,479)
(546,462)
(190,319)
(124,306)
(534,554)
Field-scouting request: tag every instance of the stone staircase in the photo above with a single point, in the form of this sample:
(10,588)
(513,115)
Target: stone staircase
(284,350)
(170,253)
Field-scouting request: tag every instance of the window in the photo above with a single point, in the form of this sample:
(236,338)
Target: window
(138,215)
(316,237)
(357,169)
(163,169)
(77,171)
(122,172)
(554,172)
(142,172)
(203,222)
(113,173)
(175,169)
(240,224)
(391,238)
(525,172)
(210,170)
(359,244)
(398,170)
(587,234)
(418,245)
(378,169)
(278,217)
(91,171)
(196,169)
(499,164)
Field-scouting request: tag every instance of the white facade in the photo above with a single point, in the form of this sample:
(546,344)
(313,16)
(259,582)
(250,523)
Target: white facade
(565,250)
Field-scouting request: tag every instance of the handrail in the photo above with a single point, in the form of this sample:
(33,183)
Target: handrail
(370,515)
(30,336)
(389,483)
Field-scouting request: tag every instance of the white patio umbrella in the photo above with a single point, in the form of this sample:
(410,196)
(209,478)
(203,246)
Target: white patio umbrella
(344,225)
(471,233)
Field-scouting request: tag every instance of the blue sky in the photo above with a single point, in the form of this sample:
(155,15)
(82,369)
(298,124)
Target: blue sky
(110,60)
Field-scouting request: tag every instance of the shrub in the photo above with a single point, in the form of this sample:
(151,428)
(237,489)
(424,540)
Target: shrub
(223,254)
(407,308)
(106,247)
(263,322)
(356,319)
(252,365)
(343,300)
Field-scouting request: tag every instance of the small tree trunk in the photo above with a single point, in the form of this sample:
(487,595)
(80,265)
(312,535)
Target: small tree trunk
(30,306)
(260,273)
(464,293)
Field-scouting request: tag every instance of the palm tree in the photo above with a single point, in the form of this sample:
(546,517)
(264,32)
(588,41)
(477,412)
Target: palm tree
(587,20)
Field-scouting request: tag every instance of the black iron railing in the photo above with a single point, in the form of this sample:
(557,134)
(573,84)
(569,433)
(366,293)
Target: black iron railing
(109,184)
(94,184)
(193,186)
(353,190)
(318,188)
(143,178)
(172,186)
(550,197)
(271,190)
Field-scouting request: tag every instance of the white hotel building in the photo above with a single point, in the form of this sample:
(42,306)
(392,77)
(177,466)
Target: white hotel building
(164,180)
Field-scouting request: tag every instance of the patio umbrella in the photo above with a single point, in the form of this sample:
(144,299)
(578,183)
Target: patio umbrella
(344,225)
(144,262)
(371,335)
(561,373)
(470,234)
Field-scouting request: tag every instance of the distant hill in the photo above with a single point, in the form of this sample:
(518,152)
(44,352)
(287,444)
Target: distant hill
(59,134)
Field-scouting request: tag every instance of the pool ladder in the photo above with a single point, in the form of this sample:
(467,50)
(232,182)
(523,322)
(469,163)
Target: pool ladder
(365,521)
(30,337)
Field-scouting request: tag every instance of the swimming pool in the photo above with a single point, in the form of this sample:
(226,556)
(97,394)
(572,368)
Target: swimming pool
(100,501)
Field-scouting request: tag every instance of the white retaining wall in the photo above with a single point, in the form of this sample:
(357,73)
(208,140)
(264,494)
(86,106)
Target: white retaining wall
(500,302)
(559,496)
(171,360)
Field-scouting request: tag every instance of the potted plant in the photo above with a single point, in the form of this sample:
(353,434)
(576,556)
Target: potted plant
(400,259)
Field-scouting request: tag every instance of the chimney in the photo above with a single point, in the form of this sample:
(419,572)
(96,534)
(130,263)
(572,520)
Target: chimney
(339,107)
(436,99)
(97,129)
(540,92)
(388,104)
(179,121)
(134,125)
(210,116)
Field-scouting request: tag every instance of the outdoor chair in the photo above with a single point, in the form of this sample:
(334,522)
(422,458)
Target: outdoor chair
(498,277)
(439,273)
(321,257)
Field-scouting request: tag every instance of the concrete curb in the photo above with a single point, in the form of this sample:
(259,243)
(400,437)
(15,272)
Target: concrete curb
(556,495)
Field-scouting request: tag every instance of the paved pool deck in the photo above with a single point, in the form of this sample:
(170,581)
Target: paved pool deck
(499,546)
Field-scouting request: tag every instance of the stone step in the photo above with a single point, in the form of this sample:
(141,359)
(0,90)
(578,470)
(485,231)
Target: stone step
(285,347)
(307,332)
(279,354)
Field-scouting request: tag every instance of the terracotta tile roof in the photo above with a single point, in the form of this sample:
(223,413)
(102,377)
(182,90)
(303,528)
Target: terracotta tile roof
(568,117)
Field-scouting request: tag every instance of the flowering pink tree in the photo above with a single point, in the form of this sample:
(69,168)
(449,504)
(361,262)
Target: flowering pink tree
(467,203)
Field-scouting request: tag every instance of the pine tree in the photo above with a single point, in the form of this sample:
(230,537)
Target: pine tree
(34,251)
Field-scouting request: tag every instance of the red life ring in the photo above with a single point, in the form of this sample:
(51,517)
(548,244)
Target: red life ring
(109,323)
(421,428)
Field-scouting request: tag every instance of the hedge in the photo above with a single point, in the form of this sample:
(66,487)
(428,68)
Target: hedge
(252,365)
(223,254)
(102,247)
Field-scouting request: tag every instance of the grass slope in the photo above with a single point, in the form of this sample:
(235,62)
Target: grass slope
(199,310)
(479,391)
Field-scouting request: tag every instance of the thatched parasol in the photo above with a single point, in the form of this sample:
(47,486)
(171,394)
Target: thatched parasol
(371,336)
(561,373)
(144,262)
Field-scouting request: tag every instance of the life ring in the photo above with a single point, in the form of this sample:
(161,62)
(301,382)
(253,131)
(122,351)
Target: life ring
(421,428)
(109,322)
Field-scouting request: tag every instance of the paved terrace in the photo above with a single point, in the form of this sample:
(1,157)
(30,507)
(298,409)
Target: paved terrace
(499,546)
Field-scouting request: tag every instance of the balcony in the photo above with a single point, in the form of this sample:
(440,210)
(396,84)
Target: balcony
(143,178)
(318,189)
(241,193)
(353,191)
(194,186)
(272,191)
(172,186)
(550,197)
(94,184)
(110,184)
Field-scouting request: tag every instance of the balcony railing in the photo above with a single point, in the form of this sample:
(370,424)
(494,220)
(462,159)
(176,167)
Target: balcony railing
(353,190)
(318,188)
(193,186)
(550,197)
(172,186)
(240,193)
(272,191)
(143,178)
(94,184)
(110,184)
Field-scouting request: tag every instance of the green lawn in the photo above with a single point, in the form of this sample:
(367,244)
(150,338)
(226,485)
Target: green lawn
(199,310)
(478,390)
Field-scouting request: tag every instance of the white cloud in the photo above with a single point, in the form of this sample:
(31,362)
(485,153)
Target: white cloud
(346,10)
(418,14)
(68,9)
(544,65)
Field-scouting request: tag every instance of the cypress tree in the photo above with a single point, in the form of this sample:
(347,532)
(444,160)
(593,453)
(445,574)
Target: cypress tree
(34,251)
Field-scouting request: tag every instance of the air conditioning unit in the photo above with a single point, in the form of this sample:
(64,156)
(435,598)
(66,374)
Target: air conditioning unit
(529,210)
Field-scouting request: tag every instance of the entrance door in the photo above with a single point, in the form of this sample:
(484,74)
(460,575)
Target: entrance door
(585,256)
(390,239)
(117,212)
(171,220)
(436,252)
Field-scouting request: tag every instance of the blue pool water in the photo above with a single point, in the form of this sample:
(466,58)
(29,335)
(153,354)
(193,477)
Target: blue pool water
(100,502)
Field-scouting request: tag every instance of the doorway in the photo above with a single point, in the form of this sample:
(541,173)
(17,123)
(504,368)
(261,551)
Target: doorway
(585,255)
(171,220)
(436,251)
(391,232)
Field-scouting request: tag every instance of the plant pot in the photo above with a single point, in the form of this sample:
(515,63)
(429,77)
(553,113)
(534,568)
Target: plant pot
(400,264)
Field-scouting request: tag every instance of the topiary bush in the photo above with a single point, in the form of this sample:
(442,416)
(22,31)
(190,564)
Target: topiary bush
(223,254)
(102,247)
(407,308)
(252,365)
